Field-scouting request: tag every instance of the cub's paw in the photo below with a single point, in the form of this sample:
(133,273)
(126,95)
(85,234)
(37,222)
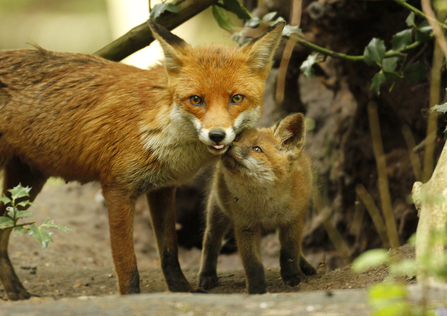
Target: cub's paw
(294,279)
(208,281)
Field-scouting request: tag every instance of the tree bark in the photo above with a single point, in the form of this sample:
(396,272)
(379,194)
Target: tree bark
(141,36)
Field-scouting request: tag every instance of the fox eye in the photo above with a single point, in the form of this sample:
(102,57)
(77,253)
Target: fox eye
(237,98)
(257,149)
(196,100)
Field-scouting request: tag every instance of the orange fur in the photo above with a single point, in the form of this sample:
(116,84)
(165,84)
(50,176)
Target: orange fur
(83,118)
(263,182)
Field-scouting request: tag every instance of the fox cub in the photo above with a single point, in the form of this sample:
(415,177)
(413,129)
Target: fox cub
(136,131)
(263,181)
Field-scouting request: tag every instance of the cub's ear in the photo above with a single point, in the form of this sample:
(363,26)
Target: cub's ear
(291,131)
(260,50)
(173,46)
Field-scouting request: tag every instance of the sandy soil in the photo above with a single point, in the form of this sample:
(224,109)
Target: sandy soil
(79,262)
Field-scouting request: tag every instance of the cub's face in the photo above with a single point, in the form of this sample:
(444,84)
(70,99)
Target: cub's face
(256,157)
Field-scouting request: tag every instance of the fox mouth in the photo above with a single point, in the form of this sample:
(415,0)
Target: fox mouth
(218,149)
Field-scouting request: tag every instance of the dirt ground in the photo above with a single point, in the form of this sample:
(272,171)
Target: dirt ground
(79,262)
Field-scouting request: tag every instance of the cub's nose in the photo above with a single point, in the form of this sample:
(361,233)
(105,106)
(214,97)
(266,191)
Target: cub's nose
(216,135)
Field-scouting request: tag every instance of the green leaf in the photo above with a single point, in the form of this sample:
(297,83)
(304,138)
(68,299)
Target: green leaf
(370,259)
(235,7)
(41,235)
(391,76)
(222,18)
(21,231)
(19,192)
(5,200)
(374,52)
(50,223)
(24,203)
(401,40)
(410,20)
(416,72)
(377,80)
(6,222)
(160,8)
(423,32)
(306,66)
(289,30)
(390,64)
(269,17)
(24,214)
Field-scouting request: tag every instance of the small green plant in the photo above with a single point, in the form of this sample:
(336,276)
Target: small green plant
(14,214)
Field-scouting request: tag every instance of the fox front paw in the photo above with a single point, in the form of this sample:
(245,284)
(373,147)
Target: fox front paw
(208,281)
(293,280)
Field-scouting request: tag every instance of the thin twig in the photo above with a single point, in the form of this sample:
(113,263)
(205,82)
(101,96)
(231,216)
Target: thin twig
(383,177)
(374,213)
(420,13)
(411,144)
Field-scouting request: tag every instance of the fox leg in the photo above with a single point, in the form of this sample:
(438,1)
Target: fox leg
(121,209)
(216,225)
(162,208)
(16,172)
(248,242)
(290,253)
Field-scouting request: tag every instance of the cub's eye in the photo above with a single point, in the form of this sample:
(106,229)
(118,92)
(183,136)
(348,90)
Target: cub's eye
(237,98)
(257,149)
(196,100)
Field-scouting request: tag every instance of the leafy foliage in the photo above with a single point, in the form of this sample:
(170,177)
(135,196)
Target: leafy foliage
(160,8)
(14,214)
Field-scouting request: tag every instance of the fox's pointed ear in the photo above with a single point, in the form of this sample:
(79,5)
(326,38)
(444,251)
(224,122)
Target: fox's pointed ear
(261,49)
(291,131)
(172,45)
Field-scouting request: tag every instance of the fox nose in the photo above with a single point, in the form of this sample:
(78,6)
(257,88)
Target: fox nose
(216,135)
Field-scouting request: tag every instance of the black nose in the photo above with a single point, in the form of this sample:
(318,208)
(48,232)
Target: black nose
(216,135)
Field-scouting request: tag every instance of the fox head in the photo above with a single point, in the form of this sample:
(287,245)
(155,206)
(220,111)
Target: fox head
(218,88)
(265,155)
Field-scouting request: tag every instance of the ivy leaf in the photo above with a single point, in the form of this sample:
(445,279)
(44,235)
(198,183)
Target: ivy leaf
(423,32)
(21,231)
(391,75)
(19,192)
(41,235)
(5,200)
(160,8)
(415,72)
(24,214)
(235,7)
(222,18)
(50,223)
(289,30)
(377,80)
(6,222)
(374,52)
(370,259)
(306,66)
(389,64)
(24,203)
(410,19)
(401,40)
(440,108)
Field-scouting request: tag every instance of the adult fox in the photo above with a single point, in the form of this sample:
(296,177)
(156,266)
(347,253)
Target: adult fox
(83,118)
(264,181)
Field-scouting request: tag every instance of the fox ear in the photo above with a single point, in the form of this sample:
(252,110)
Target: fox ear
(291,131)
(172,45)
(261,49)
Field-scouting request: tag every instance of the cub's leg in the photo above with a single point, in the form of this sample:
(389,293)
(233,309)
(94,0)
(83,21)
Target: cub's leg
(16,172)
(162,208)
(249,242)
(217,224)
(121,208)
(290,253)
